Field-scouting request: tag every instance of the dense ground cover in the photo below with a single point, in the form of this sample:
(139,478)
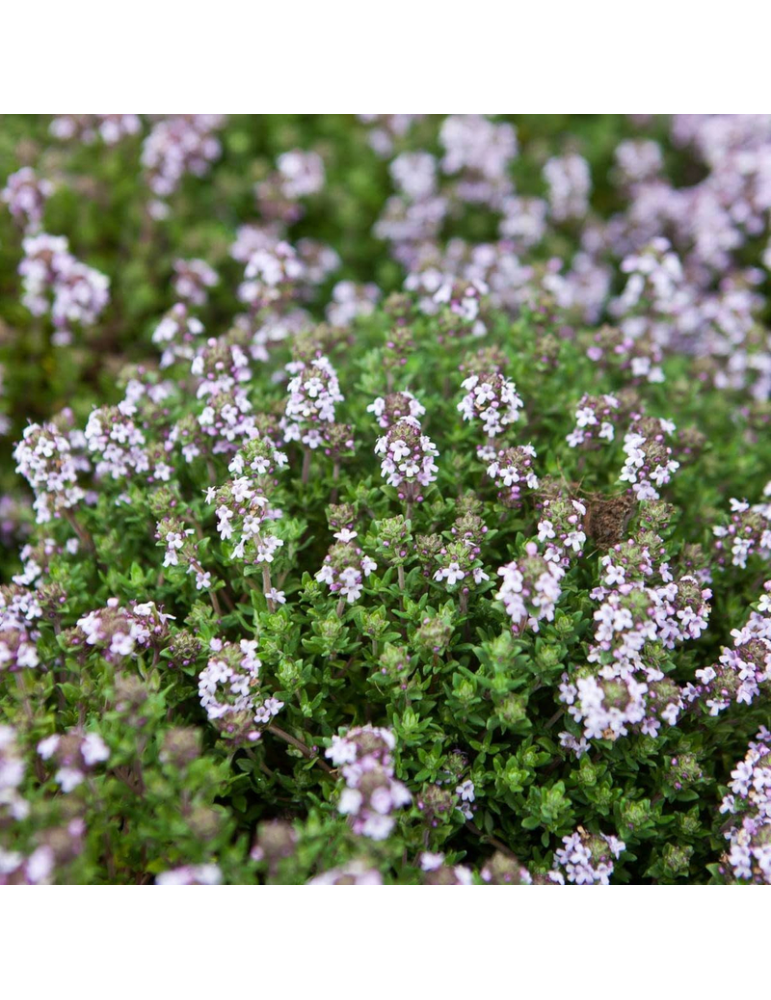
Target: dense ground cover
(385,499)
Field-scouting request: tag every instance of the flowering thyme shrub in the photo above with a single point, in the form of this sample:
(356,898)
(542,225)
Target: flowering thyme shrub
(394,508)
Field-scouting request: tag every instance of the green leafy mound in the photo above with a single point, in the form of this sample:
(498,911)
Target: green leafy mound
(473,761)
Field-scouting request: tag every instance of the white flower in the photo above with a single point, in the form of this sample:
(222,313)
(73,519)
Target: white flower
(47,747)
(94,749)
(68,778)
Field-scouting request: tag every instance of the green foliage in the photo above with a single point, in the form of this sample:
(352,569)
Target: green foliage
(467,699)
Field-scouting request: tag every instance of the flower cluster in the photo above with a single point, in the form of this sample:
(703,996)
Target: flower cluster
(479,151)
(36,559)
(354,873)
(319,262)
(310,409)
(569,182)
(394,407)
(75,754)
(595,421)
(119,447)
(586,858)
(638,160)
(654,296)
(229,690)
(492,399)
(119,632)
(349,301)
(749,805)
(57,847)
(19,610)
(372,793)
(414,175)
(747,533)
(302,173)
(243,513)
(181,550)
(25,194)
(386,130)
(220,364)
(504,870)
(260,457)
(439,873)
(192,278)
(299,174)
(608,706)
(561,528)
(13,806)
(512,470)
(739,672)
(346,567)
(59,284)
(88,129)
(209,874)
(633,358)
(176,333)
(179,145)
(623,686)
(458,303)
(221,368)
(530,589)
(649,464)
(438,802)
(460,559)
(271,277)
(407,459)
(45,458)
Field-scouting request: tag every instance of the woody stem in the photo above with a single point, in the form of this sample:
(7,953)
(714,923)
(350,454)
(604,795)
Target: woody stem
(299,745)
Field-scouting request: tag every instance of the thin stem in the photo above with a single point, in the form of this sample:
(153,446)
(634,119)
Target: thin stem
(492,840)
(340,607)
(299,745)
(267,586)
(335,477)
(260,763)
(109,858)
(215,604)
(40,772)
(199,569)
(400,576)
(60,674)
(136,768)
(21,685)
(79,530)
(306,466)
(227,600)
(85,537)
(555,718)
